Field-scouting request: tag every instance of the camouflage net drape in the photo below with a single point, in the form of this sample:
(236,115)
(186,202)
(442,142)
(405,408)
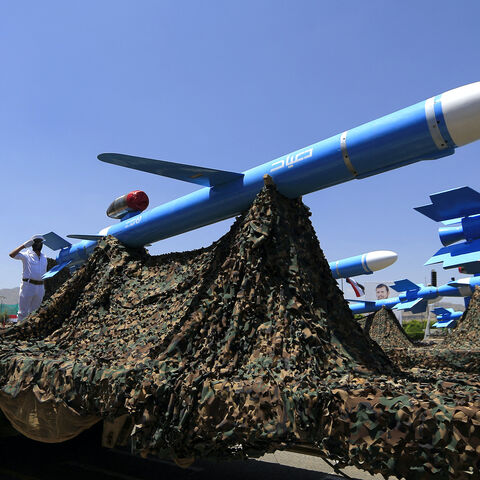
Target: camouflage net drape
(383,327)
(466,335)
(459,352)
(235,350)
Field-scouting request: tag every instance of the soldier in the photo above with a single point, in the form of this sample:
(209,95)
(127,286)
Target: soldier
(34,266)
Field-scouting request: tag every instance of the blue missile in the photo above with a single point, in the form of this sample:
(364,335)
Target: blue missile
(447,317)
(459,210)
(364,264)
(415,297)
(428,130)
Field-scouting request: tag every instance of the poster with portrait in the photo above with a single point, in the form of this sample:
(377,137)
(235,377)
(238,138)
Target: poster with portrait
(374,291)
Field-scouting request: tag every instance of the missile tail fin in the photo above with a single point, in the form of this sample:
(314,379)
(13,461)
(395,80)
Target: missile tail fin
(405,285)
(51,273)
(452,204)
(442,311)
(466,254)
(415,306)
(55,242)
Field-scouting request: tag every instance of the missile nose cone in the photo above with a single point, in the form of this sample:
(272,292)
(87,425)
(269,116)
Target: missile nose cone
(461,110)
(380,259)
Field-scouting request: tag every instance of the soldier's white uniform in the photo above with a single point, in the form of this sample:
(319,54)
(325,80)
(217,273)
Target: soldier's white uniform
(32,289)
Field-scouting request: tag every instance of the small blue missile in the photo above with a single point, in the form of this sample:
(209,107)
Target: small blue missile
(428,130)
(364,264)
(415,297)
(447,317)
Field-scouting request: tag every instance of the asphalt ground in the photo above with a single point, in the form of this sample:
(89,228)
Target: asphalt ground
(83,459)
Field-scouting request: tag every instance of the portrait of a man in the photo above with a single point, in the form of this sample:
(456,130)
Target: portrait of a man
(382,291)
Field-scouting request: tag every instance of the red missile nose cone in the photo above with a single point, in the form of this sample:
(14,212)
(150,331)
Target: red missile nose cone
(137,200)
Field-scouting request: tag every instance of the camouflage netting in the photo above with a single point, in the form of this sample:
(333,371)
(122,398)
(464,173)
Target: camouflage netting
(459,352)
(434,358)
(383,327)
(466,335)
(231,351)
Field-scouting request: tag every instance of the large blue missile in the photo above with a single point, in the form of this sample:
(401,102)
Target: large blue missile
(364,264)
(415,297)
(428,130)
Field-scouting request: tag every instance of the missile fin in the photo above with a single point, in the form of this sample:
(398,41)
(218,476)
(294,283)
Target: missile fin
(405,285)
(51,273)
(462,254)
(54,241)
(206,177)
(442,311)
(438,257)
(433,260)
(443,323)
(418,305)
(452,204)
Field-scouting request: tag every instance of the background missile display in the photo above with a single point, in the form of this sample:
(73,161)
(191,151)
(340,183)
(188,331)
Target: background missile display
(428,130)
(447,317)
(459,210)
(415,298)
(364,264)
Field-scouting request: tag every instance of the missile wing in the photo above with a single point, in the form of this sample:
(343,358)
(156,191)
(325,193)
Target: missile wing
(440,311)
(466,254)
(79,236)
(418,305)
(206,177)
(405,286)
(452,204)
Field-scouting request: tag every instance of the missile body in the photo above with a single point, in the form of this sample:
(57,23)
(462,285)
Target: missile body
(427,130)
(415,298)
(363,264)
(468,230)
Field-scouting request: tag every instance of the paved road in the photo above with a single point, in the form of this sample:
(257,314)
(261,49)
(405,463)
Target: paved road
(22,459)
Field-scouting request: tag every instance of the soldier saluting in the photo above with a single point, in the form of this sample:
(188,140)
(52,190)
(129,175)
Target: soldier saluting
(32,288)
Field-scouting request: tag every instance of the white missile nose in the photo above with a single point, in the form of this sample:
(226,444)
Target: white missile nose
(461,110)
(380,259)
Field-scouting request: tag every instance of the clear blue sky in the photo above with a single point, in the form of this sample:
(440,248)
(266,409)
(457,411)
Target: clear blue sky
(227,85)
